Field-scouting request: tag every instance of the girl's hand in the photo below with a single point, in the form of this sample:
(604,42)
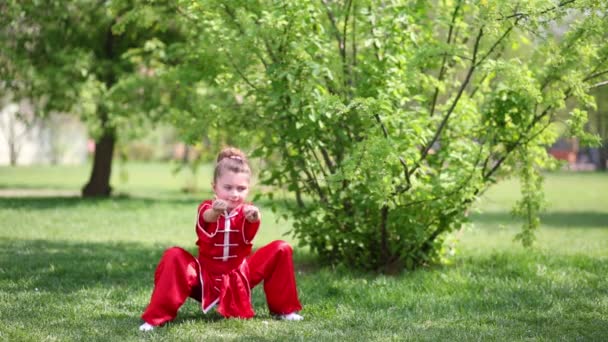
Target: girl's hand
(252,213)
(219,206)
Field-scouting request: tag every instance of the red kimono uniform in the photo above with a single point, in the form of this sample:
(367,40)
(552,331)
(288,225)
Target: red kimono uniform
(224,272)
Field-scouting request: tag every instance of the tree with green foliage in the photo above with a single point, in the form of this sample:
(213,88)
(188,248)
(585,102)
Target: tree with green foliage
(122,65)
(388,120)
(91,58)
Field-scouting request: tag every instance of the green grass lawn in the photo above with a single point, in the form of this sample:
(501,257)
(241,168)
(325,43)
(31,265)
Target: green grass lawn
(74,269)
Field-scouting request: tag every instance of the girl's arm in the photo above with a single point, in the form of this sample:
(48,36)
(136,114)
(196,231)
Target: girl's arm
(213,213)
(251,223)
(252,213)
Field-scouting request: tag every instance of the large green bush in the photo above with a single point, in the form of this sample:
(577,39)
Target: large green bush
(387,120)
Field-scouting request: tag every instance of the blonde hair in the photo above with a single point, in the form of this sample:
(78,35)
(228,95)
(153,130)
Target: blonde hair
(231,159)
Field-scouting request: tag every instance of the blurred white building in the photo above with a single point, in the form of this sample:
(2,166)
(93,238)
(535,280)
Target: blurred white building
(56,139)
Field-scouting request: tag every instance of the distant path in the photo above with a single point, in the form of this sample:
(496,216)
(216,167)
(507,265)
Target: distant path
(38,193)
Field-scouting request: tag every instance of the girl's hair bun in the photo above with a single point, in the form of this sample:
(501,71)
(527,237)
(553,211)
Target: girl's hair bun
(232,153)
(231,159)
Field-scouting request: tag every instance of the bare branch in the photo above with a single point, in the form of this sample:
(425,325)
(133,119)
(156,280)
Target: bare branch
(271,53)
(331,165)
(520,140)
(551,78)
(379,120)
(455,190)
(520,15)
(314,183)
(372,24)
(383,232)
(474,64)
(238,71)
(497,42)
(561,4)
(298,196)
(348,7)
(341,39)
(354,44)
(285,38)
(401,160)
(598,85)
(406,173)
(592,76)
(345,66)
(326,159)
(443,68)
(314,154)
(464,84)
(182,13)
(332,20)
(232,16)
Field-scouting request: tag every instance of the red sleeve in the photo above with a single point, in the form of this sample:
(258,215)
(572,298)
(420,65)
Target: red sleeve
(209,228)
(250,229)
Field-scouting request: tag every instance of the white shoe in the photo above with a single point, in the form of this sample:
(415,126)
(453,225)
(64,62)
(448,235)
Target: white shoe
(146,327)
(291,317)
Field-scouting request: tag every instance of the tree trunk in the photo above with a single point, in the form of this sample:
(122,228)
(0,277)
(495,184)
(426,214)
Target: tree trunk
(12,141)
(601,114)
(603,156)
(99,182)
(12,152)
(602,129)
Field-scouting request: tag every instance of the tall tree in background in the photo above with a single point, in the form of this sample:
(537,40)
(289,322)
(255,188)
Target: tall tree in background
(392,118)
(122,65)
(87,61)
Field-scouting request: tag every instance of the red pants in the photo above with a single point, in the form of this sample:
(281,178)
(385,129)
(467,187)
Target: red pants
(177,278)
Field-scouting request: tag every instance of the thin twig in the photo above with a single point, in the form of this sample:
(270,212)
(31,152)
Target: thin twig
(345,66)
(497,42)
(232,16)
(354,46)
(332,20)
(595,75)
(406,171)
(445,57)
(372,23)
(331,165)
(445,119)
(520,15)
(598,85)
(238,71)
(456,189)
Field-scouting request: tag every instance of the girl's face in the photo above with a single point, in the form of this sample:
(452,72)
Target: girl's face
(232,187)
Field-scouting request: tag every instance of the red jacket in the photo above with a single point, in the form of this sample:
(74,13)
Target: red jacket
(223,247)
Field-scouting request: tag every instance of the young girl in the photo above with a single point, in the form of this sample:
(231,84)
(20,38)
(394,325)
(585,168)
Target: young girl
(224,272)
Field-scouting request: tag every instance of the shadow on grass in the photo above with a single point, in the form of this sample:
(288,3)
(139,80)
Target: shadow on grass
(37,203)
(55,201)
(70,266)
(65,266)
(585,219)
